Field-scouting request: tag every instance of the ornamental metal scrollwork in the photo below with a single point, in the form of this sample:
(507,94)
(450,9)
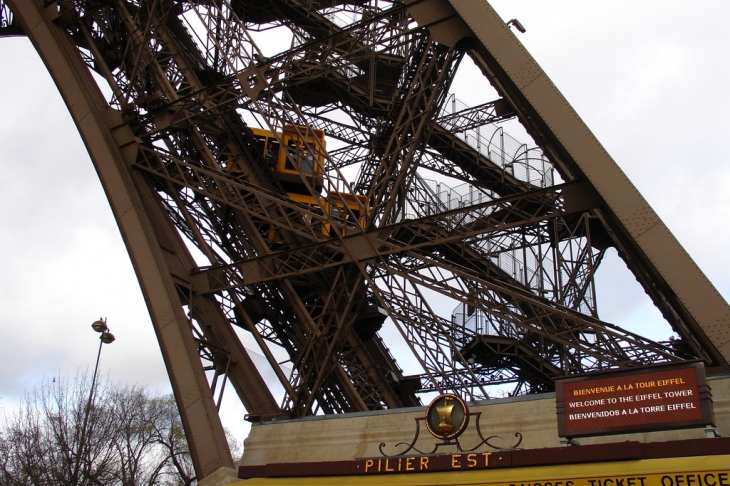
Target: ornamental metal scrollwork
(447,417)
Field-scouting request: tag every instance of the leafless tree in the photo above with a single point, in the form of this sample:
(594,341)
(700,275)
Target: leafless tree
(131,438)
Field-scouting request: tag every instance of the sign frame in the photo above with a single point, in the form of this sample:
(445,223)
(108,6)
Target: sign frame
(702,391)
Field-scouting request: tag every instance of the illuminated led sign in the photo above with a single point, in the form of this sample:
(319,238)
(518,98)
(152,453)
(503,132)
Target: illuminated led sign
(652,398)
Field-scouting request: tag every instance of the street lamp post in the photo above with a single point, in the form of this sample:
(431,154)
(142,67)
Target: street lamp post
(106,338)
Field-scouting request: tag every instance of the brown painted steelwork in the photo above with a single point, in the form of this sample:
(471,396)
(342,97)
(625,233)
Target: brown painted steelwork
(684,295)
(509,237)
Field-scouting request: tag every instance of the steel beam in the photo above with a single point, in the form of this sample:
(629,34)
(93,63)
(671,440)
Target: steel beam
(678,287)
(109,144)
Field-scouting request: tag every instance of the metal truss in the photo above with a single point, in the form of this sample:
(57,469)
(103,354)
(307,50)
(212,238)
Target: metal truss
(479,249)
(8,23)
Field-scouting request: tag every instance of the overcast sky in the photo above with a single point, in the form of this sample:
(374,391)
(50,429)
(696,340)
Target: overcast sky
(649,78)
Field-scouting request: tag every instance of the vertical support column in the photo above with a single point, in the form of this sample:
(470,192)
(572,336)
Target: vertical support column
(112,150)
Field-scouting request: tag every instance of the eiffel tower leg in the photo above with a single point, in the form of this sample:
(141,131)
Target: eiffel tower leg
(677,286)
(111,153)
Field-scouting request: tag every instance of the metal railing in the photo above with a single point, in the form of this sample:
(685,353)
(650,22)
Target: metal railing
(524,162)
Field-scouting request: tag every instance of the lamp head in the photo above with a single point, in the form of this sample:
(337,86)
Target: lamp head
(517,25)
(100,325)
(107,338)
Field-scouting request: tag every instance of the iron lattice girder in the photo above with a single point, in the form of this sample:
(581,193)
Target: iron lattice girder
(531,358)
(441,347)
(415,70)
(382,386)
(299,266)
(316,264)
(515,359)
(251,199)
(499,215)
(307,367)
(9,26)
(196,104)
(455,380)
(350,356)
(335,334)
(501,308)
(304,345)
(444,152)
(255,80)
(389,170)
(475,116)
(426,65)
(576,263)
(216,330)
(176,118)
(607,343)
(646,245)
(446,149)
(427,334)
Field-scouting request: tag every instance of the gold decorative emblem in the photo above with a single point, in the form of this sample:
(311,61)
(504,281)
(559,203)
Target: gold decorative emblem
(444,410)
(447,416)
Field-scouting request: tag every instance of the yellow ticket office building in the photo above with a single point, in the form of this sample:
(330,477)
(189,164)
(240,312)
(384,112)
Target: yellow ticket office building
(695,462)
